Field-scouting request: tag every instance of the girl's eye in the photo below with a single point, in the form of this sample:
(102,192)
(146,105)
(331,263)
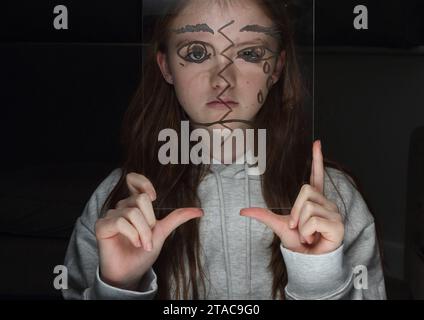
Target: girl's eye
(194,52)
(254,54)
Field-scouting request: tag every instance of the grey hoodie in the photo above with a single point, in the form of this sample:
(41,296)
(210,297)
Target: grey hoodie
(235,252)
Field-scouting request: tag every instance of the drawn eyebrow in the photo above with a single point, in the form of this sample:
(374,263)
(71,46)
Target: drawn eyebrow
(203,27)
(270,31)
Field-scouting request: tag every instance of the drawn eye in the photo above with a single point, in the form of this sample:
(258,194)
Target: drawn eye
(196,52)
(254,54)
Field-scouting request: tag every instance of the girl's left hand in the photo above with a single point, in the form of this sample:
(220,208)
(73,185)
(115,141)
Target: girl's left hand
(314,225)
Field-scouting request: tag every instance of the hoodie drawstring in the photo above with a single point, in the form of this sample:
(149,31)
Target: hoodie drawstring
(225,236)
(248,229)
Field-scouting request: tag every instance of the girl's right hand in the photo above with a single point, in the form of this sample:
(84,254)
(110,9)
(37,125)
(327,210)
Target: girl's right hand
(130,238)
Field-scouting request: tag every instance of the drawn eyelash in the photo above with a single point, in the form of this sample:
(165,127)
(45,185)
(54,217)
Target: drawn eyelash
(259,54)
(197,47)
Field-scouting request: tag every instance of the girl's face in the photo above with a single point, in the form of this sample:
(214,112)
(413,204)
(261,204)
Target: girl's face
(222,62)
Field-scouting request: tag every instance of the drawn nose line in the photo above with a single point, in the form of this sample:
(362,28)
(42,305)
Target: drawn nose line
(222,71)
(222,93)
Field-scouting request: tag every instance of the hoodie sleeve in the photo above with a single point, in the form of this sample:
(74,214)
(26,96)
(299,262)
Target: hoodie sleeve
(82,259)
(354,270)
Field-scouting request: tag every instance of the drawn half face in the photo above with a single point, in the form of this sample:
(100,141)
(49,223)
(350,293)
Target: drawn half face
(222,62)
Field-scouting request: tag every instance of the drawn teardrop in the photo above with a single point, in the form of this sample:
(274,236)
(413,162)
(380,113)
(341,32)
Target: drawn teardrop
(260,97)
(267,67)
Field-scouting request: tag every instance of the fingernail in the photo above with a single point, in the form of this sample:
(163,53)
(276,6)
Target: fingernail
(291,224)
(149,246)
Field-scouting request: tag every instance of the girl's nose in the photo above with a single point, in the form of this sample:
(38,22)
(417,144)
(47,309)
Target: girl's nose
(223,76)
(220,82)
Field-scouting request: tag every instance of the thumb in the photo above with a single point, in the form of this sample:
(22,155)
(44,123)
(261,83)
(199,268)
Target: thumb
(277,223)
(176,218)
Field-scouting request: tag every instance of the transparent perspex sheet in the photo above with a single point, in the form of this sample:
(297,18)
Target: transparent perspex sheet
(228,74)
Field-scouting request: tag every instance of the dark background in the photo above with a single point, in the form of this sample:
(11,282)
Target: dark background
(63,94)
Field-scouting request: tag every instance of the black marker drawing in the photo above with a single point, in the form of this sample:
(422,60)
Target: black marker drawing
(223,119)
(194,28)
(225,68)
(267,67)
(260,97)
(269,81)
(197,48)
(197,52)
(259,54)
(270,31)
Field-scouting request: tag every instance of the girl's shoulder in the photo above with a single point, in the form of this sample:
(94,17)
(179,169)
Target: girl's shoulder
(106,186)
(110,181)
(335,178)
(94,205)
(341,189)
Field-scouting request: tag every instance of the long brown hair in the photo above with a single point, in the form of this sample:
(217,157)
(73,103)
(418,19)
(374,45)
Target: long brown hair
(155,107)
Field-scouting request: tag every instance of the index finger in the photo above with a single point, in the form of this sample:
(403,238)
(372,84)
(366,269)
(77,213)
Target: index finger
(137,184)
(317,171)
(274,221)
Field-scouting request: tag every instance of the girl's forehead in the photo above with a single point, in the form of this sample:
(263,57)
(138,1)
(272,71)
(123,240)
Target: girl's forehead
(212,16)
